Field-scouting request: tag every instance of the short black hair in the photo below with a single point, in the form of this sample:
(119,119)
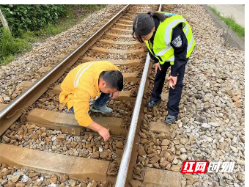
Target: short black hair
(113,78)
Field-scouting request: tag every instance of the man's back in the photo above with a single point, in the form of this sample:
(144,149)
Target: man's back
(83,79)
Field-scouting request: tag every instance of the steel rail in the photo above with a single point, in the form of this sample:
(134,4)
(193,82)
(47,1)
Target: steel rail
(17,107)
(123,169)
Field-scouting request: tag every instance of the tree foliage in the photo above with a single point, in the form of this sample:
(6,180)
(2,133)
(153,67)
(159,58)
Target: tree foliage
(28,22)
(31,17)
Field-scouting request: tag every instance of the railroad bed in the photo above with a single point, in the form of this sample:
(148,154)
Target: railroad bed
(46,146)
(211,124)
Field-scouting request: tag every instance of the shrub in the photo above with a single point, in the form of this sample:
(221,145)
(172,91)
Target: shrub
(10,45)
(31,17)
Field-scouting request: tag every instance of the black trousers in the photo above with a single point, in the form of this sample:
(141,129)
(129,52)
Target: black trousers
(174,94)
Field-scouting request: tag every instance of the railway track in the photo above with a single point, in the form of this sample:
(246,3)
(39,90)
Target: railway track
(41,142)
(39,134)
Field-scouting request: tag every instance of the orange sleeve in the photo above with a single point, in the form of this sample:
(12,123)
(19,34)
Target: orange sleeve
(81,107)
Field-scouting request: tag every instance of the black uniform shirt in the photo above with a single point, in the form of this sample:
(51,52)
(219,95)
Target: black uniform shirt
(179,43)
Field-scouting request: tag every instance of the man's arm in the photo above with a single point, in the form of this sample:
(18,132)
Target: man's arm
(100,129)
(81,108)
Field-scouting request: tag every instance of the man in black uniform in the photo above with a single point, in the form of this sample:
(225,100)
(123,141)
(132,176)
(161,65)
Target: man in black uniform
(179,43)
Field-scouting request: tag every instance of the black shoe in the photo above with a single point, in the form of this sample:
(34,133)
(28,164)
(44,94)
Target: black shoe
(170,119)
(151,104)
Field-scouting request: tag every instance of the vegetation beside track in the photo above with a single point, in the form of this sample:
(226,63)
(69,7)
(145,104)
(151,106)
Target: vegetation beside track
(32,23)
(239,30)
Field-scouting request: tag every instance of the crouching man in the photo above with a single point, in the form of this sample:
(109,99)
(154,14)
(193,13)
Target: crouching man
(87,81)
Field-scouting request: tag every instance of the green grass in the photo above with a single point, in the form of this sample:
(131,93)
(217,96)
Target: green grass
(75,14)
(10,46)
(239,30)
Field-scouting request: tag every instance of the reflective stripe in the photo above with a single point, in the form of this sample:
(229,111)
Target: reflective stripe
(162,48)
(189,47)
(78,79)
(190,43)
(168,48)
(172,59)
(161,53)
(186,29)
(169,14)
(167,36)
(78,73)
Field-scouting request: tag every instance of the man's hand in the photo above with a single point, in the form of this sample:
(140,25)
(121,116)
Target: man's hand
(104,133)
(100,129)
(172,81)
(114,95)
(157,66)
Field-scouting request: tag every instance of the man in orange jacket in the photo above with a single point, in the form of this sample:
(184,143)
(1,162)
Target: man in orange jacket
(85,82)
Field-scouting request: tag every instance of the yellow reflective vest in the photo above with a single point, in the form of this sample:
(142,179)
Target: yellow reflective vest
(80,85)
(163,37)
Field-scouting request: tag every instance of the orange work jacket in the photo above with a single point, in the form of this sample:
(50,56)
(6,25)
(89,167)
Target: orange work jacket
(80,85)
